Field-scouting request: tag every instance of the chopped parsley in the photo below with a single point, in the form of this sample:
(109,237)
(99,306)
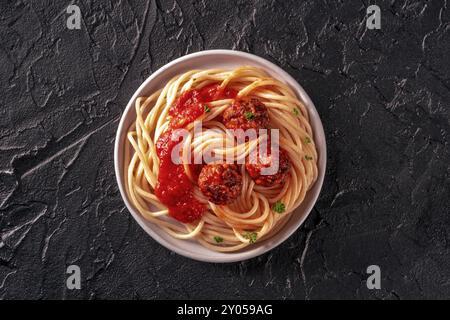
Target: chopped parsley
(295,110)
(279,207)
(206,108)
(308,157)
(218,239)
(251,236)
(249,115)
(307,140)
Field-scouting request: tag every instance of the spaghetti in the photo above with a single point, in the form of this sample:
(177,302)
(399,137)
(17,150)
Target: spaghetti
(185,199)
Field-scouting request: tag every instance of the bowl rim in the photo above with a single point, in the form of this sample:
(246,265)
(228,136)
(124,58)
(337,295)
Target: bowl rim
(249,252)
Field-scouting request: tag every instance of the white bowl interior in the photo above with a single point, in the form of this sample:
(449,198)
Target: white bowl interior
(227,59)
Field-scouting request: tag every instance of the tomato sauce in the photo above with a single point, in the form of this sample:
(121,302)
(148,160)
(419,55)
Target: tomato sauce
(174,189)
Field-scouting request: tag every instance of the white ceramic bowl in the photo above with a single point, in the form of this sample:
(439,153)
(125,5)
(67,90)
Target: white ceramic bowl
(219,59)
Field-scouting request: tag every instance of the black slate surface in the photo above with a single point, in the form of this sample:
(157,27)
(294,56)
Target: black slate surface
(383,96)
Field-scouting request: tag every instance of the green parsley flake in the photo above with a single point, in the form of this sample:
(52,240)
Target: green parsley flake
(308,157)
(249,115)
(218,239)
(307,140)
(251,236)
(279,207)
(206,108)
(295,110)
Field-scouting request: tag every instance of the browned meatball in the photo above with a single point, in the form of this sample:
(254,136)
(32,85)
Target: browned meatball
(254,169)
(246,114)
(221,183)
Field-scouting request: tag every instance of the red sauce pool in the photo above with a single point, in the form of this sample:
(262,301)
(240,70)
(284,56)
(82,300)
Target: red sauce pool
(174,189)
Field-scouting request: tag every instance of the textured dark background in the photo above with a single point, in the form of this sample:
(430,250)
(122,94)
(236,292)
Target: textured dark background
(383,96)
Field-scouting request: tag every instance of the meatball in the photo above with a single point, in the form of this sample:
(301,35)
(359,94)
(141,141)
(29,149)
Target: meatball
(246,114)
(254,169)
(221,183)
